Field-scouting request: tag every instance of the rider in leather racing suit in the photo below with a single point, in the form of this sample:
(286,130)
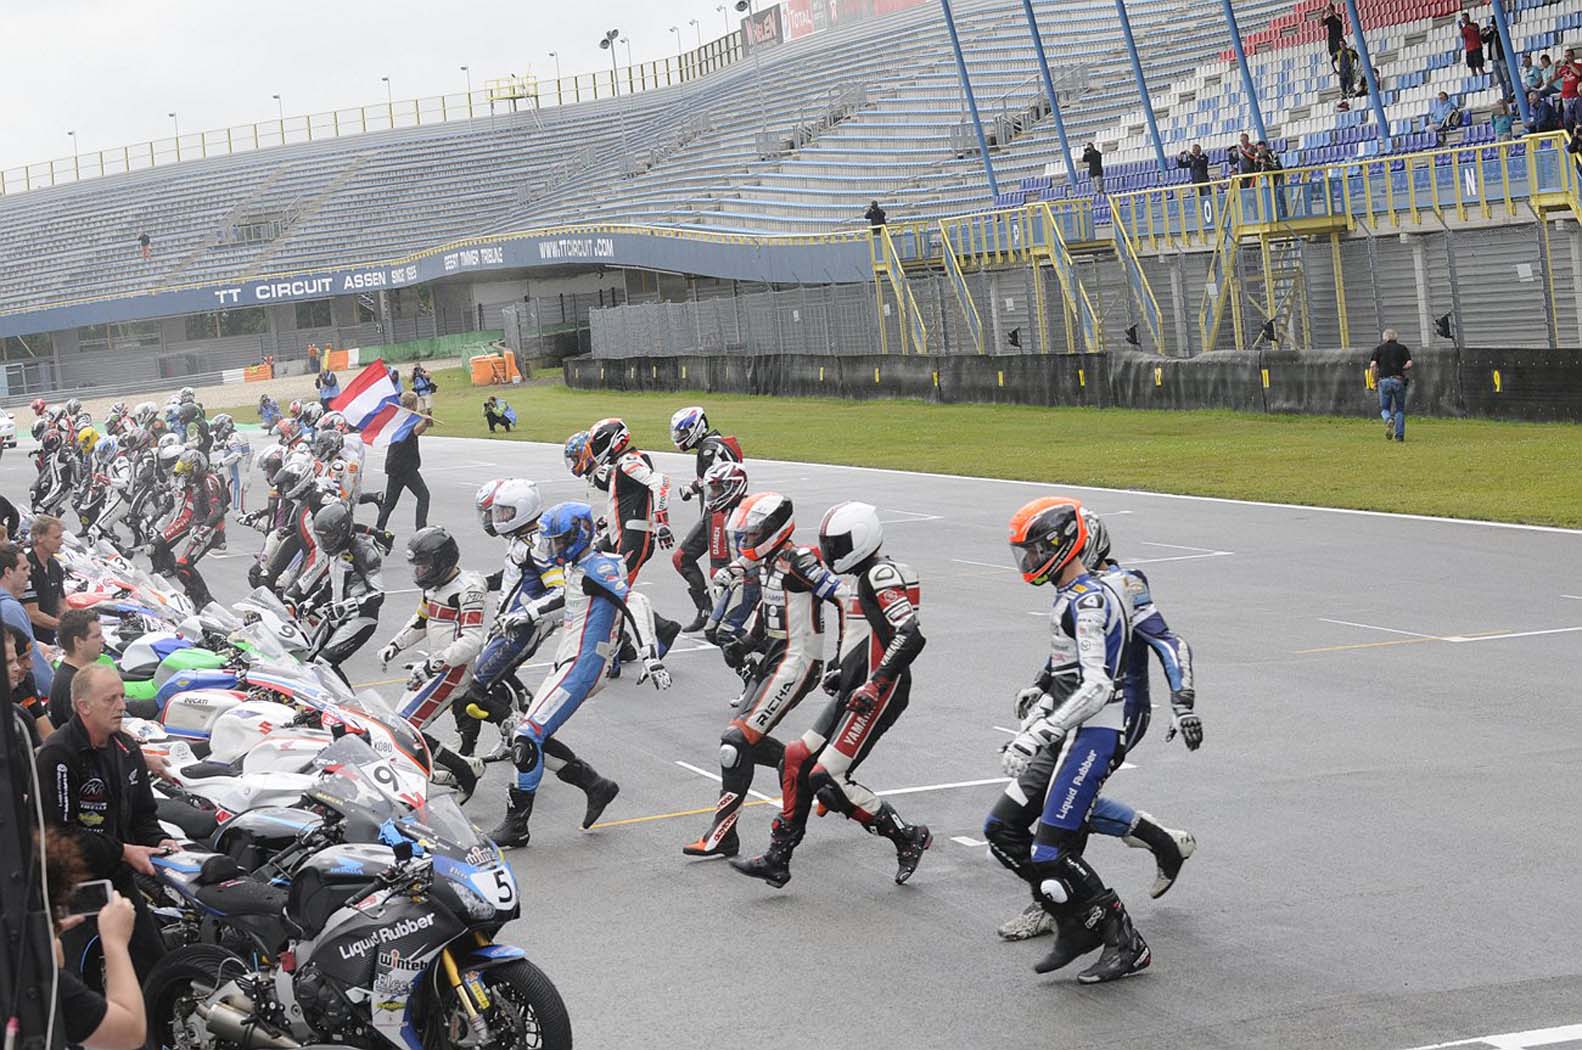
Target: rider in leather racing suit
(449,620)
(880,636)
(690,432)
(1150,633)
(596,593)
(788,629)
(197,528)
(1067,749)
(353,617)
(532,595)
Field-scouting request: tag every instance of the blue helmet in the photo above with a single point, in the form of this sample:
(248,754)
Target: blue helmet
(566,530)
(687,427)
(578,459)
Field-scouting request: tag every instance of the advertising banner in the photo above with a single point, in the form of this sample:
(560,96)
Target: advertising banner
(762,29)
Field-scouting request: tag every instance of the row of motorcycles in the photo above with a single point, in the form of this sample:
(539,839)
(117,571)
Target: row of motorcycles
(326,892)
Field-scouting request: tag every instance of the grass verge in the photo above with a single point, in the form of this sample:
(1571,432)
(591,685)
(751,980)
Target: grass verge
(1520,472)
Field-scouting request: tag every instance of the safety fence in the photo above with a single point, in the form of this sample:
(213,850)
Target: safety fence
(1537,386)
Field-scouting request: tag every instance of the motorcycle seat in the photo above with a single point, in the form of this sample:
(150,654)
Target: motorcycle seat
(210,768)
(195,823)
(242,896)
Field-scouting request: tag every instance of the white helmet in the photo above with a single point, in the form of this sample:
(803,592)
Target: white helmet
(849,535)
(483,504)
(1095,553)
(517,506)
(760,524)
(688,426)
(169,441)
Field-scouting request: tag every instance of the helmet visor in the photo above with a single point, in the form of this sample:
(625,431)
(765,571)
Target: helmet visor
(1035,558)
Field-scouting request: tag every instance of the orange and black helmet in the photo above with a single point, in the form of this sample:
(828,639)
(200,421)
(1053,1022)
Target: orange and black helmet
(1046,534)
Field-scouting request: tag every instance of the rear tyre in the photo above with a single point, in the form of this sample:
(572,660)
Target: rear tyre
(175,986)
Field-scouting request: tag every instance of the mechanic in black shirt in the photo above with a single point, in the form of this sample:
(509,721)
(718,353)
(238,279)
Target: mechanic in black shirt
(1390,367)
(47,580)
(94,786)
(81,642)
(116,1019)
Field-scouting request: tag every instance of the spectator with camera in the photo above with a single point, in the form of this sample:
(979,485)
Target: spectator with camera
(115,1020)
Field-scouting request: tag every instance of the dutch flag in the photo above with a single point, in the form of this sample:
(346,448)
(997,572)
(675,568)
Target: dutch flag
(370,403)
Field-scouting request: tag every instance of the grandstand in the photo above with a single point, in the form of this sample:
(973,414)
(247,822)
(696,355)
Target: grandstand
(758,174)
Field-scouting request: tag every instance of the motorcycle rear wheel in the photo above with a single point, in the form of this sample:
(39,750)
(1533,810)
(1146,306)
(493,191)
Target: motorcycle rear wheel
(175,985)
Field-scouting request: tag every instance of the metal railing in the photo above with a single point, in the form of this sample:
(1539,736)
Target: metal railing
(497,97)
(958,284)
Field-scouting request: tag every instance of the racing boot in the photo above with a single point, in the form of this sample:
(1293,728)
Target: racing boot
(714,844)
(1125,951)
(600,791)
(1077,932)
(665,632)
(464,771)
(1033,922)
(512,831)
(774,865)
(701,602)
(1170,848)
(910,840)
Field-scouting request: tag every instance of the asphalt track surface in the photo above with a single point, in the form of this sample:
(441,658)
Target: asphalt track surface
(1386,801)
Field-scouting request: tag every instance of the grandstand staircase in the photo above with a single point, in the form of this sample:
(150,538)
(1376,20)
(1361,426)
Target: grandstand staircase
(300,211)
(221,234)
(1275,287)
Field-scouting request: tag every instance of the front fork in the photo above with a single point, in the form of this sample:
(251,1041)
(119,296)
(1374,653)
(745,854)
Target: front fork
(470,992)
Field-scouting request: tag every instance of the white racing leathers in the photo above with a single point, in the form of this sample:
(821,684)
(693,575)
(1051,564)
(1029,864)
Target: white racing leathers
(449,623)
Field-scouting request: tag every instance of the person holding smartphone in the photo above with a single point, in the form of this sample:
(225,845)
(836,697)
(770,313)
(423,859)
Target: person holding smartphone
(114,1020)
(95,790)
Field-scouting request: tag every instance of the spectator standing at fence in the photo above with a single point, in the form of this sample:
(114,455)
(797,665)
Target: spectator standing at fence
(1496,52)
(329,388)
(423,386)
(395,377)
(1196,162)
(1246,155)
(1095,162)
(1389,366)
(1532,76)
(1472,41)
(1336,31)
(1502,121)
(1569,78)
(1269,164)
(1574,146)
(403,470)
(874,214)
(1443,114)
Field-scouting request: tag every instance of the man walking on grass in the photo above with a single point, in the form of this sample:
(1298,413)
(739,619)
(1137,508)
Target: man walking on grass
(1389,366)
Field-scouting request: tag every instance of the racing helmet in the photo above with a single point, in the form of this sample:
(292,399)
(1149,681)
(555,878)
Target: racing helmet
(849,535)
(40,427)
(566,530)
(290,432)
(38,406)
(295,409)
(517,506)
(52,441)
(760,524)
(483,504)
(87,437)
(191,464)
(327,444)
(222,426)
(433,555)
(105,451)
(294,479)
(607,439)
(145,413)
(73,406)
(169,441)
(335,421)
(270,462)
(1045,534)
(135,439)
(312,412)
(187,395)
(169,454)
(1096,548)
(578,459)
(332,527)
(723,485)
(188,412)
(117,410)
(84,419)
(687,427)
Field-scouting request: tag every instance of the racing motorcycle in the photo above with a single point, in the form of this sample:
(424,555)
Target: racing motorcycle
(372,946)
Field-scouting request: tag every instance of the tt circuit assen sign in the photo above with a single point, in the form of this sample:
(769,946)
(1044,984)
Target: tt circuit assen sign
(261,292)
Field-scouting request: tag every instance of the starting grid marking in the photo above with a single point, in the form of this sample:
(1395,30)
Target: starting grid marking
(1538,1037)
(1417,637)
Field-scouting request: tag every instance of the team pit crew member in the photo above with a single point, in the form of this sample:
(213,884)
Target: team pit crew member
(788,629)
(595,597)
(690,432)
(449,620)
(1067,750)
(197,528)
(339,626)
(880,636)
(1111,816)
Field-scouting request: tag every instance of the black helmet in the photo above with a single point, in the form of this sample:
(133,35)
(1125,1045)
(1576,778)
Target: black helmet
(189,413)
(332,525)
(433,555)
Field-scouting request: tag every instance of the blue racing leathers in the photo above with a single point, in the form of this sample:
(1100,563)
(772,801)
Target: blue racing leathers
(594,594)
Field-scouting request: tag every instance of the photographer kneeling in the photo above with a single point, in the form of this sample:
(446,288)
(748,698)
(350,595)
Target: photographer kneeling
(95,788)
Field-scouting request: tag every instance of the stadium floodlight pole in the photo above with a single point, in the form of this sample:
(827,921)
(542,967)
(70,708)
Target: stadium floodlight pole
(972,100)
(280,115)
(697,27)
(76,170)
(1142,84)
(556,56)
(1383,121)
(677,30)
(608,44)
(1246,71)
(1502,26)
(466,72)
(177,125)
(389,102)
(726,15)
(1049,86)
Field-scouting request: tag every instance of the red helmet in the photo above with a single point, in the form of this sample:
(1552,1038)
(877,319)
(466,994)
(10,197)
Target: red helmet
(760,524)
(607,439)
(1046,534)
(290,431)
(39,405)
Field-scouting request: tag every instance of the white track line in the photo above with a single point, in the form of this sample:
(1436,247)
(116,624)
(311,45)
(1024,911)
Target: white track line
(1180,547)
(1375,627)
(1517,1040)
(967,841)
(1512,634)
(1178,557)
(716,778)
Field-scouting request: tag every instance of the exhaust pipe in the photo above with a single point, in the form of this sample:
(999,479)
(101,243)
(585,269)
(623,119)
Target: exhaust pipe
(243,1028)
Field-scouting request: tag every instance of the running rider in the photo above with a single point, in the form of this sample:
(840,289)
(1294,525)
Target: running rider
(690,432)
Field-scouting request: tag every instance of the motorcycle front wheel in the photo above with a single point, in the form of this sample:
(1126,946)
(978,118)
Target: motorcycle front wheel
(525,1010)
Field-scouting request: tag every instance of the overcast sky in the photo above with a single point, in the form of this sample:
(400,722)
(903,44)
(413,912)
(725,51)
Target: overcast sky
(111,71)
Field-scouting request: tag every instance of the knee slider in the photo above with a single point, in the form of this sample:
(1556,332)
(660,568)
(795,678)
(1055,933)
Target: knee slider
(525,753)
(733,747)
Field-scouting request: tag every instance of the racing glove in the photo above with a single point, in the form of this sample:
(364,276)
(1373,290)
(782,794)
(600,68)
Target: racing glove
(653,670)
(735,652)
(664,537)
(1031,740)
(831,681)
(1026,700)
(863,699)
(388,653)
(509,623)
(1184,719)
(688,491)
